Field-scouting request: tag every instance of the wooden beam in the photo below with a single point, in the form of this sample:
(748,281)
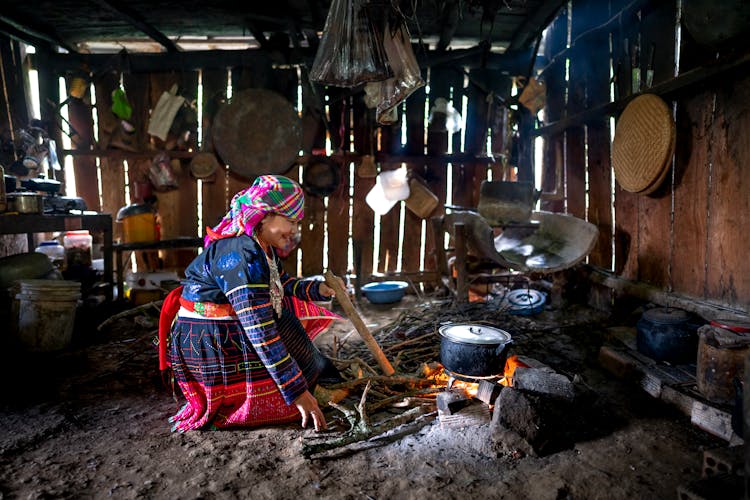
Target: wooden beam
(37,38)
(136,20)
(513,63)
(449,21)
(649,293)
(669,89)
(257,33)
(534,23)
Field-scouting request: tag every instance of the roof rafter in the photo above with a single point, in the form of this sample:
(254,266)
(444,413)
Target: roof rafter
(534,24)
(38,37)
(137,20)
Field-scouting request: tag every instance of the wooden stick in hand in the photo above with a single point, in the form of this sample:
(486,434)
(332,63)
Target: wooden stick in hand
(372,344)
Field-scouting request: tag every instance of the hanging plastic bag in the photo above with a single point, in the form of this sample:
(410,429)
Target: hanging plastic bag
(161,175)
(406,78)
(162,116)
(120,106)
(351,49)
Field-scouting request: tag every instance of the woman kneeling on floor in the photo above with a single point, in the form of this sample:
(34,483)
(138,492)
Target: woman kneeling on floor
(238,350)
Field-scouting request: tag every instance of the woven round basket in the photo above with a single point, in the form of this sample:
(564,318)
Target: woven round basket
(643,145)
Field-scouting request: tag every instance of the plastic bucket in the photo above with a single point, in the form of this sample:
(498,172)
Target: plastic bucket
(138,223)
(45,312)
(139,228)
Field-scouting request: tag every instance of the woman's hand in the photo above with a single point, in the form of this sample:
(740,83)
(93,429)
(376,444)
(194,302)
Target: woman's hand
(307,405)
(327,291)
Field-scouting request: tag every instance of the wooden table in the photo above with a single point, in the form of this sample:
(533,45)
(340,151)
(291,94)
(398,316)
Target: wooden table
(12,223)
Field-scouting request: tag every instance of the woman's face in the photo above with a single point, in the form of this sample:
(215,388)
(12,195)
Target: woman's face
(279,231)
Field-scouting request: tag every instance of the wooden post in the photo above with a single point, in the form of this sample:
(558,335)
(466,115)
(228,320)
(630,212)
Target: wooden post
(370,342)
(462,288)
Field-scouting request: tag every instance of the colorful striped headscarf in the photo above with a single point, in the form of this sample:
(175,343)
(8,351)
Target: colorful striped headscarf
(268,194)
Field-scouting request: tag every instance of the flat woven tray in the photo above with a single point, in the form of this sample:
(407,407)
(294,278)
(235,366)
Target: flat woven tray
(643,145)
(257,132)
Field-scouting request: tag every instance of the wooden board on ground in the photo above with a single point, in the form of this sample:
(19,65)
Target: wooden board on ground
(674,385)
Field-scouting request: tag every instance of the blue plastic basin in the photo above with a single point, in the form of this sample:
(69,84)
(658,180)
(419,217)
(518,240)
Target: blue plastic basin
(385,292)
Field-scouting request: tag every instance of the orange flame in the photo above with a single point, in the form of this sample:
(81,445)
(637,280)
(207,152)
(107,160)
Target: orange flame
(440,378)
(510,368)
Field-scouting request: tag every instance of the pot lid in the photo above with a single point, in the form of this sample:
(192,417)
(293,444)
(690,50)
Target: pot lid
(474,334)
(136,209)
(525,301)
(666,315)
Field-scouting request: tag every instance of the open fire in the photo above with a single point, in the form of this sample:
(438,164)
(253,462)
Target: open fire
(469,400)
(469,384)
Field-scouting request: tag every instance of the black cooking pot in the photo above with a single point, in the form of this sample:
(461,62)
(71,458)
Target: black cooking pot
(668,334)
(473,350)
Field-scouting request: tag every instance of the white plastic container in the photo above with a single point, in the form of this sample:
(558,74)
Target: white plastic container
(45,311)
(54,250)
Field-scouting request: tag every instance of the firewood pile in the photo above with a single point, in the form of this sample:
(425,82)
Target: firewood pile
(391,407)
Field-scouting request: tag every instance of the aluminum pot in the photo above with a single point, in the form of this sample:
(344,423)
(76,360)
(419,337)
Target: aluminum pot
(473,350)
(25,203)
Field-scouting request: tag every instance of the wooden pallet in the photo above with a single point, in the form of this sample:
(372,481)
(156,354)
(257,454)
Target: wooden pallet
(674,384)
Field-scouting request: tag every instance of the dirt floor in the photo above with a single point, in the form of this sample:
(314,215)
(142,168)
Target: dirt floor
(92,423)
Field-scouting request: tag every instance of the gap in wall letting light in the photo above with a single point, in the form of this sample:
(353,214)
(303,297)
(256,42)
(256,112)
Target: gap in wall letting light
(33,76)
(95,118)
(199,144)
(70,176)
(612,191)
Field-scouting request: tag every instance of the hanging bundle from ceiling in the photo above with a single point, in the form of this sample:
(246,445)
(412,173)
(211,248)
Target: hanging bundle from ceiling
(351,51)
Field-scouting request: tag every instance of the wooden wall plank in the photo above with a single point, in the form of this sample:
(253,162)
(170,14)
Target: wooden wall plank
(112,170)
(13,114)
(339,202)
(363,218)
(554,77)
(627,228)
(137,89)
(626,234)
(692,178)
(84,167)
(655,239)
(598,141)
(316,219)
(214,192)
(411,248)
(49,99)
(575,153)
(19,101)
(729,208)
